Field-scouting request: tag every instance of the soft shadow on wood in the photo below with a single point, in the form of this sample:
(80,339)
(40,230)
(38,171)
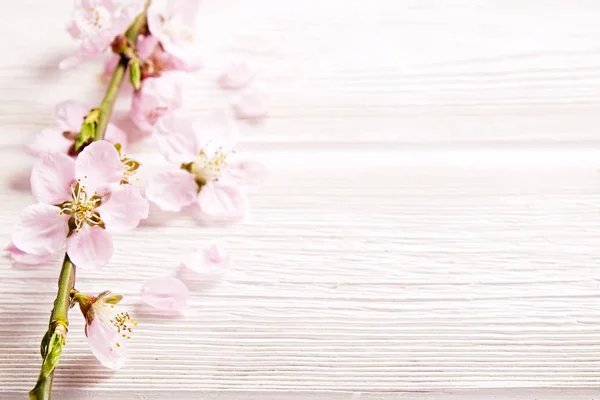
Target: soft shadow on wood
(19,181)
(94,371)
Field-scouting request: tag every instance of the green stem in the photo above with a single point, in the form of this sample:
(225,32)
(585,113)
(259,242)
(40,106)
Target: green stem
(108,101)
(58,327)
(54,338)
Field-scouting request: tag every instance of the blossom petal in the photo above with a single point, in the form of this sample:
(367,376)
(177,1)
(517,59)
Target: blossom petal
(252,104)
(146,44)
(90,247)
(164,16)
(49,140)
(69,115)
(176,139)
(165,293)
(220,200)
(99,166)
(216,131)
(51,178)
(42,230)
(103,344)
(236,76)
(172,190)
(90,48)
(209,262)
(18,256)
(248,173)
(124,209)
(157,97)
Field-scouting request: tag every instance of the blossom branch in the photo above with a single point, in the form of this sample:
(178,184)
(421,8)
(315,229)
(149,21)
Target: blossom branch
(98,119)
(95,123)
(55,337)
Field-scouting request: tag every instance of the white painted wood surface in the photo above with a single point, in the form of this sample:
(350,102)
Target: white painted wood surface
(429,229)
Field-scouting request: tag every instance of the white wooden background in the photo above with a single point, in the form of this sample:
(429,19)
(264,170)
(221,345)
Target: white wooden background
(430,228)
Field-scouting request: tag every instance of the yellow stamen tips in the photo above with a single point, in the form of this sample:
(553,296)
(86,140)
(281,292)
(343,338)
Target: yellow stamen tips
(209,168)
(117,343)
(82,208)
(130,166)
(123,323)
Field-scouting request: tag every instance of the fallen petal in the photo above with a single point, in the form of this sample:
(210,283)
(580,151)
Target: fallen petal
(17,256)
(165,293)
(237,76)
(252,104)
(210,262)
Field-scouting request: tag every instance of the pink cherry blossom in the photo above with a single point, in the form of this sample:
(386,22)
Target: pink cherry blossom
(210,262)
(236,76)
(166,294)
(204,151)
(174,25)
(69,117)
(80,204)
(107,328)
(17,256)
(151,50)
(157,60)
(252,104)
(156,98)
(96,23)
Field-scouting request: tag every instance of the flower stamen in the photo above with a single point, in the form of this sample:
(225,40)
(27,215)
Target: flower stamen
(124,324)
(207,167)
(82,208)
(130,166)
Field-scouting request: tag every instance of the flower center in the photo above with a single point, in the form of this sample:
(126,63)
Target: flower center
(207,168)
(81,208)
(123,324)
(92,20)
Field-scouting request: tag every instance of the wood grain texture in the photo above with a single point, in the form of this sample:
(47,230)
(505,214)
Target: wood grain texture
(429,228)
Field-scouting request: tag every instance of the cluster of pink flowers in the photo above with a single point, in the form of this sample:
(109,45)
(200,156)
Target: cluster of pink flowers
(84,197)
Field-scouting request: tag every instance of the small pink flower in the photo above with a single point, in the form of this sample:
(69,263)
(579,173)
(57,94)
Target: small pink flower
(80,203)
(96,23)
(156,59)
(252,104)
(156,98)
(204,152)
(107,328)
(69,117)
(151,50)
(17,256)
(210,262)
(237,76)
(174,24)
(166,294)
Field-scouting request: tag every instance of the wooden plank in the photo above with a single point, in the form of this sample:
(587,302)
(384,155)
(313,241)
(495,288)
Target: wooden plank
(401,272)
